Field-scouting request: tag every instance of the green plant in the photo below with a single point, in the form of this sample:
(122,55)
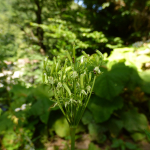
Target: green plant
(147,134)
(72,83)
(93,147)
(121,145)
(27,112)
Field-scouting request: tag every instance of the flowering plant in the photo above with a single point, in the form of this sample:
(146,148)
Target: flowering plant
(72,81)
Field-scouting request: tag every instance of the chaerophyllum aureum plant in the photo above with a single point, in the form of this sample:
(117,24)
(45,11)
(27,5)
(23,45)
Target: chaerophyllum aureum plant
(72,80)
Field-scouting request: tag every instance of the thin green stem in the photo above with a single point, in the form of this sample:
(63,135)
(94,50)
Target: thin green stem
(90,92)
(74,86)
(72,133)
(86,103)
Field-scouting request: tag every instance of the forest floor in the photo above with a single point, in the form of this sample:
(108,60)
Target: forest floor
(83,143)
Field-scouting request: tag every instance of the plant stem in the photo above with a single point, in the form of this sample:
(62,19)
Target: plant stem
(72,133)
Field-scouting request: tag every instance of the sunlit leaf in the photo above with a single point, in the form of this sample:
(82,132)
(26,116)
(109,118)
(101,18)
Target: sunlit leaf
(61,127)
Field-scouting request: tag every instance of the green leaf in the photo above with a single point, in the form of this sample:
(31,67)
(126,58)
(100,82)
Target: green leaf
(61,127)
(36,108)
(146,87)
(87,117)
(130,146)
(117,143)
(5,122)
(95,129)
(44,117)
(111,83)
(102,109)
(106,86)
(121,71)
(41,106)
(134,80)
(134,121)
(42,92)
(41,109)
(138,136)
(145,75)
(93,147)
(114,126)
(148,134)
(20,91)
(96,132)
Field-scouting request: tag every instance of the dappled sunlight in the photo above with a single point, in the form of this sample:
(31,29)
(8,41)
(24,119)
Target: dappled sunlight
(75,65)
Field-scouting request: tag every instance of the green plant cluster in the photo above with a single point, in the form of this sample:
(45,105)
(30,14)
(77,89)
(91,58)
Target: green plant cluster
(72,83)
(121,97)
(120,102)
(24,115)
(60,35)
(119,108)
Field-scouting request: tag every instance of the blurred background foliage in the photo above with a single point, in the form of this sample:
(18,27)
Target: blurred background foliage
(118,114)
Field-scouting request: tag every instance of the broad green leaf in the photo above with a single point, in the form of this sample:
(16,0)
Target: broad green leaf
(36,109)
(20,91)
(131,146)
(114,126)
(87,117)
(5,122)
(42,91)
(41,109)
(111,83)
(145,75)
(61,127)
(95,129)
(148,134)
(134,80)
(138,136)
(106,86)
(96,132)
(146,87)
(117,143)
(134,121)
(102,109)
(121,71)
(93,147)
(44,117)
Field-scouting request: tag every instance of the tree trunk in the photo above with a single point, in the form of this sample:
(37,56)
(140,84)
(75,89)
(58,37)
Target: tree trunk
(40,32)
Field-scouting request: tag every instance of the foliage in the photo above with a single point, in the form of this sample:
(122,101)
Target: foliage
(27,104)
(123,145)
(8,33)
(36,11)
(112,107)
(118,110)
(61,127)
(93,147)
(119,103)
(115,17)
(83,38)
